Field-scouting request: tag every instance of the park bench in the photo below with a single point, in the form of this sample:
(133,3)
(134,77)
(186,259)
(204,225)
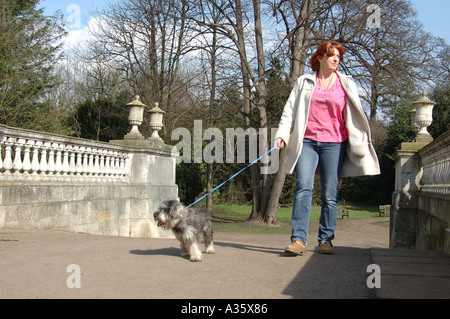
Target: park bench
(385,210)
(343,213)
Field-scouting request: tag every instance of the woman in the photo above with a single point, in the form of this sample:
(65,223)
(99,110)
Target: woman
(323,125)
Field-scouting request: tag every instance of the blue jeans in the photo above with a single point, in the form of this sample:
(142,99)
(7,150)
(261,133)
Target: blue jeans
(329,157)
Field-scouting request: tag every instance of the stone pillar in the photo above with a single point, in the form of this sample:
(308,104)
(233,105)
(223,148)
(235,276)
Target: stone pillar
(152,172)
(408,175)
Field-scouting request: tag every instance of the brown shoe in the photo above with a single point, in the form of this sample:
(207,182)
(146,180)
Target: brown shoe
(296,248)
(325,248)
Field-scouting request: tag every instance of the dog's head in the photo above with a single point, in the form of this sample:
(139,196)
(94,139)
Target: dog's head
(168,212)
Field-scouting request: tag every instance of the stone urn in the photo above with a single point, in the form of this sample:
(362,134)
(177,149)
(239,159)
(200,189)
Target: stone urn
(156,122)
(423,118)
(135,119)
(414,127)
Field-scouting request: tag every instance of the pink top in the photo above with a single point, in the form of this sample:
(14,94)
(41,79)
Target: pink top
(325,121)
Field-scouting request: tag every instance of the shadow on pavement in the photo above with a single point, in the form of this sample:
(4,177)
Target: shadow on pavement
(269,250)
(170,251)
(338,276)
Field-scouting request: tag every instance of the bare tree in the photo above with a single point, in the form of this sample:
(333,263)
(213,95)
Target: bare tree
(231,25)
(148,40)
(389,54)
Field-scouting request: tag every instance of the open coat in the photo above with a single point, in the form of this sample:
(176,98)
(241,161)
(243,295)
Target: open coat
(361,158)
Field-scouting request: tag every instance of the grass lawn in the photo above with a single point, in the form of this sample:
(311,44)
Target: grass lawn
(234,218)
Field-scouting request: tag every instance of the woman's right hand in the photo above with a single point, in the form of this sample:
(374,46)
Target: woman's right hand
(279,143)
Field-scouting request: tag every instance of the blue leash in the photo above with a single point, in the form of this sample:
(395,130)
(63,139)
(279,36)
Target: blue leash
(217,187)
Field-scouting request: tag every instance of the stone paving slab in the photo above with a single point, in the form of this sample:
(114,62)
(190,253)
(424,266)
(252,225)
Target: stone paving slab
(410,274)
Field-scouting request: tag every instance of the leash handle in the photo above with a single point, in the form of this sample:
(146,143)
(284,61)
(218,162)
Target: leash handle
(217,187)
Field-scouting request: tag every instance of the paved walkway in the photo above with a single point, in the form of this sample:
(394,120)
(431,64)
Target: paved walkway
(412,274)
(35,264)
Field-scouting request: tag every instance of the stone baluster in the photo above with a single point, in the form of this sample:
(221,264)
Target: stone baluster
(116,164)
(51,168)
(119,164)
(96,162)
(91,168)
(79,151)
(17,164)
(107,163)
(86,160)
(65,162)
(8,163)
(58,161)
(123,164)
(73,165)
(43,164)
(26,165)
(35,160)
(112,164)
(102,163)
(123,158)
(2,142)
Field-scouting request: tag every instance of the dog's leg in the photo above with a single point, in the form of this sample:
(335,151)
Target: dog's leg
(184,250)
(183,246)
(209,244)
(190,241)
(208,236)
(209,248)
(195,252)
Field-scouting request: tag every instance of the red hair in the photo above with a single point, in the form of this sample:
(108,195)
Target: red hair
(326,48)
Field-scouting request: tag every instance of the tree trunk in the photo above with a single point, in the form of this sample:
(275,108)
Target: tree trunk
(277,188)
(261,92)
(212,99)
(247,97)
(299,46)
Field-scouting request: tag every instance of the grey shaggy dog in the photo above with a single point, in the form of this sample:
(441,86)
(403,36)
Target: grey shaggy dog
(188,224)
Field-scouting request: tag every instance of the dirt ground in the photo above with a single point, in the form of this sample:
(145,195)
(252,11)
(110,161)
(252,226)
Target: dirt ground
(36,264)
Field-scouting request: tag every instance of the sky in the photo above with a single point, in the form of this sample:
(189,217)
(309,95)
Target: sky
(432,13)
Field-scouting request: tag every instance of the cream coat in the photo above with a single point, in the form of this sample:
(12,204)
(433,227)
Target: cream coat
(361,157)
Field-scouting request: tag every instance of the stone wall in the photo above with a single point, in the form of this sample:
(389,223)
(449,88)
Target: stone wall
(60,183)
(433,210)
(420,215)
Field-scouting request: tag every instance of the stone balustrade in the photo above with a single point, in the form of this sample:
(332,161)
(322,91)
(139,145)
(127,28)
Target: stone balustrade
(57,182)
(433,205)
(420,217)
(436,167)
(28,154)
